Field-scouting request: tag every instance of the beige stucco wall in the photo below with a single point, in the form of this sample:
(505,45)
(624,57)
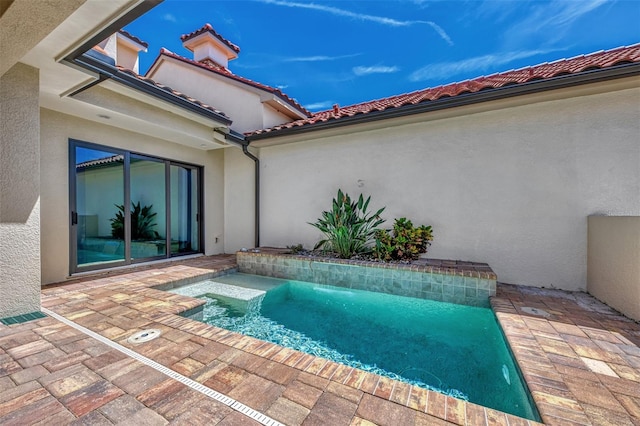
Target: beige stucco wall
(57,129)
(248,113)
(241,105)
(509,182)
(614,262)
(239,200)
(127,57)
(25,23)
(19,192)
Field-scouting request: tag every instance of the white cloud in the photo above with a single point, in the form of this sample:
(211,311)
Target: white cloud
(319,106)
(384,20)
(169,17)
(562,13)
(549,23)
(282,86)
(443,70)
(377,69)
(318,58)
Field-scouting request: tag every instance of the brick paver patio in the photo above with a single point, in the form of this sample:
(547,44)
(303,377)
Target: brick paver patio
(581,362)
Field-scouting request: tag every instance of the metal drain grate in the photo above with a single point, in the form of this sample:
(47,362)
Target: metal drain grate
(237,406)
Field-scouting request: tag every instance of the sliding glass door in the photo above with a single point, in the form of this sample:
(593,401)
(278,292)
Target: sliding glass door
(185,227)
(99,191)
(126,207)
(148,207)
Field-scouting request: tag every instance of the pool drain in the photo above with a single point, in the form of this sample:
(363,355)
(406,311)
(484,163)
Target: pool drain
(535,311)
(144,336)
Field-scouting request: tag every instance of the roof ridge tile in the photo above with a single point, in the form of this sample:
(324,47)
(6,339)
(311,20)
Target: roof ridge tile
(134,38)
(208,28)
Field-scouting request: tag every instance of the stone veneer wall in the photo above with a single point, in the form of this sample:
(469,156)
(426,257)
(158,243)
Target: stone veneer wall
(455,285)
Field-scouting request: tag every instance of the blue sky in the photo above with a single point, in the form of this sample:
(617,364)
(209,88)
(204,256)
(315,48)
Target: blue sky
(346,52)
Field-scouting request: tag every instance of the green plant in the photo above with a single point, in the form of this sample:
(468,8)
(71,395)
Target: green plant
(296,249)
(348,227)
(403,242)
(142,222)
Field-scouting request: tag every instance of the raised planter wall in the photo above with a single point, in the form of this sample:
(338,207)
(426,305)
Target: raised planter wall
(449,281)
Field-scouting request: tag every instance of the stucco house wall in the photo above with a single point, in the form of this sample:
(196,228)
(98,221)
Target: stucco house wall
(19,191)
(242,105)
(507,182)
(58,128)
(239,201)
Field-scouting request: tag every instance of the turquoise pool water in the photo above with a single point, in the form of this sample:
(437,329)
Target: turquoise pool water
(458,350)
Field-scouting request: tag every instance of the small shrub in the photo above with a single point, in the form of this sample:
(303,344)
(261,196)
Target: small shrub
(403,242)
(348,227)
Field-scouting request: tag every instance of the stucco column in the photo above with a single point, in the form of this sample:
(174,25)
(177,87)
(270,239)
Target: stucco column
(19,191)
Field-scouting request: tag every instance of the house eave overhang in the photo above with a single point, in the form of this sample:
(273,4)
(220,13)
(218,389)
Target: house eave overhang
(105,70)
(281,106)
(110,27)
(266,96)
(532,87)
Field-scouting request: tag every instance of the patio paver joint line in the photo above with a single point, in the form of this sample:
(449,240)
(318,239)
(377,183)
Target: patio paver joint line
(230,402)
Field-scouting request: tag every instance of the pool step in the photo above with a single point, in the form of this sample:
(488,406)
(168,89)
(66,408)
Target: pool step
(240,298)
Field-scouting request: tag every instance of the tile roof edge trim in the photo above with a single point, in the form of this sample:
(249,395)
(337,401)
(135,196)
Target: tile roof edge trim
(133,38)
(92,64)
(535,86)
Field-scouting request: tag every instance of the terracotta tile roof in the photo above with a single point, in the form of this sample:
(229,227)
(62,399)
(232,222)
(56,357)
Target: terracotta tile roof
(118,158)
(134,38)
(597,60)
(208,28)
(213,67)
(170,90)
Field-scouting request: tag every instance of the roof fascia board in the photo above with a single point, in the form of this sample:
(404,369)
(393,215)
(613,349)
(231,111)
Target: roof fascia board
(276,103)
(88,62)
(537,86)
(110,27)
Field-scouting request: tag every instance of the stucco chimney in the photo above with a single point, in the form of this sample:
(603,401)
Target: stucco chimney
(124,48)
(209,46)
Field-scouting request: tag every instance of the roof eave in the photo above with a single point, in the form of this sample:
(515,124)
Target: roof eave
(536,86)
(279,103)
(89,62)
(110,28)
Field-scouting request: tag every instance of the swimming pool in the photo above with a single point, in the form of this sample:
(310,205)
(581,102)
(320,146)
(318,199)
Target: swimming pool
(456,349)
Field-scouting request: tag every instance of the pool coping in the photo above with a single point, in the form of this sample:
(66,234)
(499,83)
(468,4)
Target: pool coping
(558,399)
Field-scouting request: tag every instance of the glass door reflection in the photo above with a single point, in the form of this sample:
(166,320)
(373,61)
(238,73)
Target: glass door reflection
(99,190)
(148,208)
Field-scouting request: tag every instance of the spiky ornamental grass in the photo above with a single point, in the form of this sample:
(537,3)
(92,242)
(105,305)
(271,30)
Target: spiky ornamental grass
(348,227)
